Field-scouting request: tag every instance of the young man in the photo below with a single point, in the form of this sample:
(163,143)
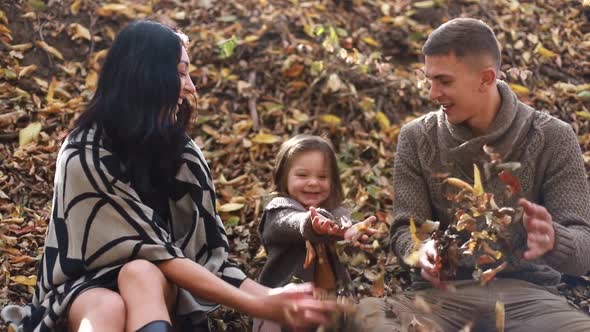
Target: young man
(462,63)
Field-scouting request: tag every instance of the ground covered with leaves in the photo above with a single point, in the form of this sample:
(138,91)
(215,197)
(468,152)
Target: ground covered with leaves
(266,70)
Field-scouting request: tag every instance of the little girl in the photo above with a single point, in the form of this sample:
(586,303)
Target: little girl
(300,225)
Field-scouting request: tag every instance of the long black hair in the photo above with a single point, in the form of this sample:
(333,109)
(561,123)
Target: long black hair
(135,106)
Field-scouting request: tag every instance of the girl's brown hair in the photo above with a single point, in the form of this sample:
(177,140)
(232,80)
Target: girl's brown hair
(306,143)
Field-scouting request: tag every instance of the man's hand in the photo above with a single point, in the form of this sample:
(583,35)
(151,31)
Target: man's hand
(427,263)
(539,227)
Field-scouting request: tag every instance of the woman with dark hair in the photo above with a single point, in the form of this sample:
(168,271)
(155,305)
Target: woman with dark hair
(134,242)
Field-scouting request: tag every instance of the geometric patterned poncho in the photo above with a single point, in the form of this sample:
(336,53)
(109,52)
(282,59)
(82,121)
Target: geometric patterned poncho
(99,223)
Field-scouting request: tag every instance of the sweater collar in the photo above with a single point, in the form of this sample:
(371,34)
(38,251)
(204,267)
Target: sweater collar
(510,125)
(502,121)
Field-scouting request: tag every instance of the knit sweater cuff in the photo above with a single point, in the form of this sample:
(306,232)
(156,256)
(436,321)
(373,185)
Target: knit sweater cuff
(401,243)
(564,247)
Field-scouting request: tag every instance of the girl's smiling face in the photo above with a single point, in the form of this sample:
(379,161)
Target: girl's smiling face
(308,179)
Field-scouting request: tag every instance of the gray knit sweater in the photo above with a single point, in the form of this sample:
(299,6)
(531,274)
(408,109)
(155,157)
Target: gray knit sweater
(284,228)
(552,174)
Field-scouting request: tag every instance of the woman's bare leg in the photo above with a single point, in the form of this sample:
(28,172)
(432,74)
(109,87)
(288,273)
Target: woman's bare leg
(147,294)
(97,309)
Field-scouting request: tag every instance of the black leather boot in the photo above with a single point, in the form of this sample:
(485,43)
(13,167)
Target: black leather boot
(156,326)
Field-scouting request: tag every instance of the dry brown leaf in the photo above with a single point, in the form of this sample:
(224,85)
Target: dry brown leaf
(113,9)
(29,133)
(27,70)
(78,31)
(230,207)
(49,49)
(75,7)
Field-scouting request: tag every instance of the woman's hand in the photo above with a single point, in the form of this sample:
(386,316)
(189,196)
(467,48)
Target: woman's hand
(293,305)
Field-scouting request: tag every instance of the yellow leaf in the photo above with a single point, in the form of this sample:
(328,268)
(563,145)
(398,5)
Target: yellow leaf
(414,234)
(371,41)
(330,119)
(3,17)
(29,133)
(477,185)
(583,114)
(230,207)
(78,31)
(49,49)
(383,120)
(263,138)
(544,52)
(29,281)
(519,89)
(250,39)
(75,7)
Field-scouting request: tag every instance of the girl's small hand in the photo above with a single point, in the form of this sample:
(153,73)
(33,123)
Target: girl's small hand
(322,225)
(361,231)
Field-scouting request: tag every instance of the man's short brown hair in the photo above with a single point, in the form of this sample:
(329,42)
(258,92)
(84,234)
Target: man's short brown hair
(464,37)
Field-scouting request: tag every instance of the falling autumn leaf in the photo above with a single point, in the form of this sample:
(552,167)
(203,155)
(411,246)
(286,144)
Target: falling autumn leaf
(510,180)
(477,185)
(330,119)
